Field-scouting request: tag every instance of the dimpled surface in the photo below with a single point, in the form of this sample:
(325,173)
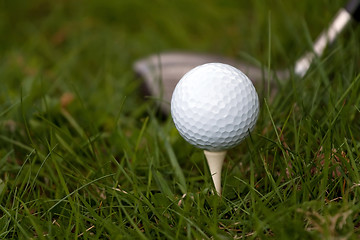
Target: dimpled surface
(214,106)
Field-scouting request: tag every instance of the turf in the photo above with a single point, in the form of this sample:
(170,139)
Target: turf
(83,155)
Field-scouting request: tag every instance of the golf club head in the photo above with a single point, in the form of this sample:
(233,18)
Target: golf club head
(161,72)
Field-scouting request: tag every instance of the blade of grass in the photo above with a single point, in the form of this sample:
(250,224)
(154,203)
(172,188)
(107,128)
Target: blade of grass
(76,190)
(38,229)
(133,224)
(17,224)
(173,160)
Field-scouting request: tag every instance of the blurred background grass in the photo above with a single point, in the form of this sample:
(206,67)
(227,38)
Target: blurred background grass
(74,43)
(83,155)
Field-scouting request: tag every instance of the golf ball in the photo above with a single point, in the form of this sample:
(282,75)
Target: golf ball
(214,106)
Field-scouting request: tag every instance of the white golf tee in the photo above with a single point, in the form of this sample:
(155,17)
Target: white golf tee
(215,161)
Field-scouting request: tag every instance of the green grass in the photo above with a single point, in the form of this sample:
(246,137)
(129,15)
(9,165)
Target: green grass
(84,156)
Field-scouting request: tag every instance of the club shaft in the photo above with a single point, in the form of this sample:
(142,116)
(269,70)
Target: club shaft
(341,20)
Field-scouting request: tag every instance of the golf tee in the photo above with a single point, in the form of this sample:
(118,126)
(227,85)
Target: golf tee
(215,161)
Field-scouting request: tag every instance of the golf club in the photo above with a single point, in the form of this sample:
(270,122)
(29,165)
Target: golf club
(161,72)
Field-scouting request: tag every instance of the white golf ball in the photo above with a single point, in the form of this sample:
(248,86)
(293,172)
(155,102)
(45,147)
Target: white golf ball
(214,106)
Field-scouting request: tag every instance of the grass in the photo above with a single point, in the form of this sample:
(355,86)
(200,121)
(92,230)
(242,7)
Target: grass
(84,156)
